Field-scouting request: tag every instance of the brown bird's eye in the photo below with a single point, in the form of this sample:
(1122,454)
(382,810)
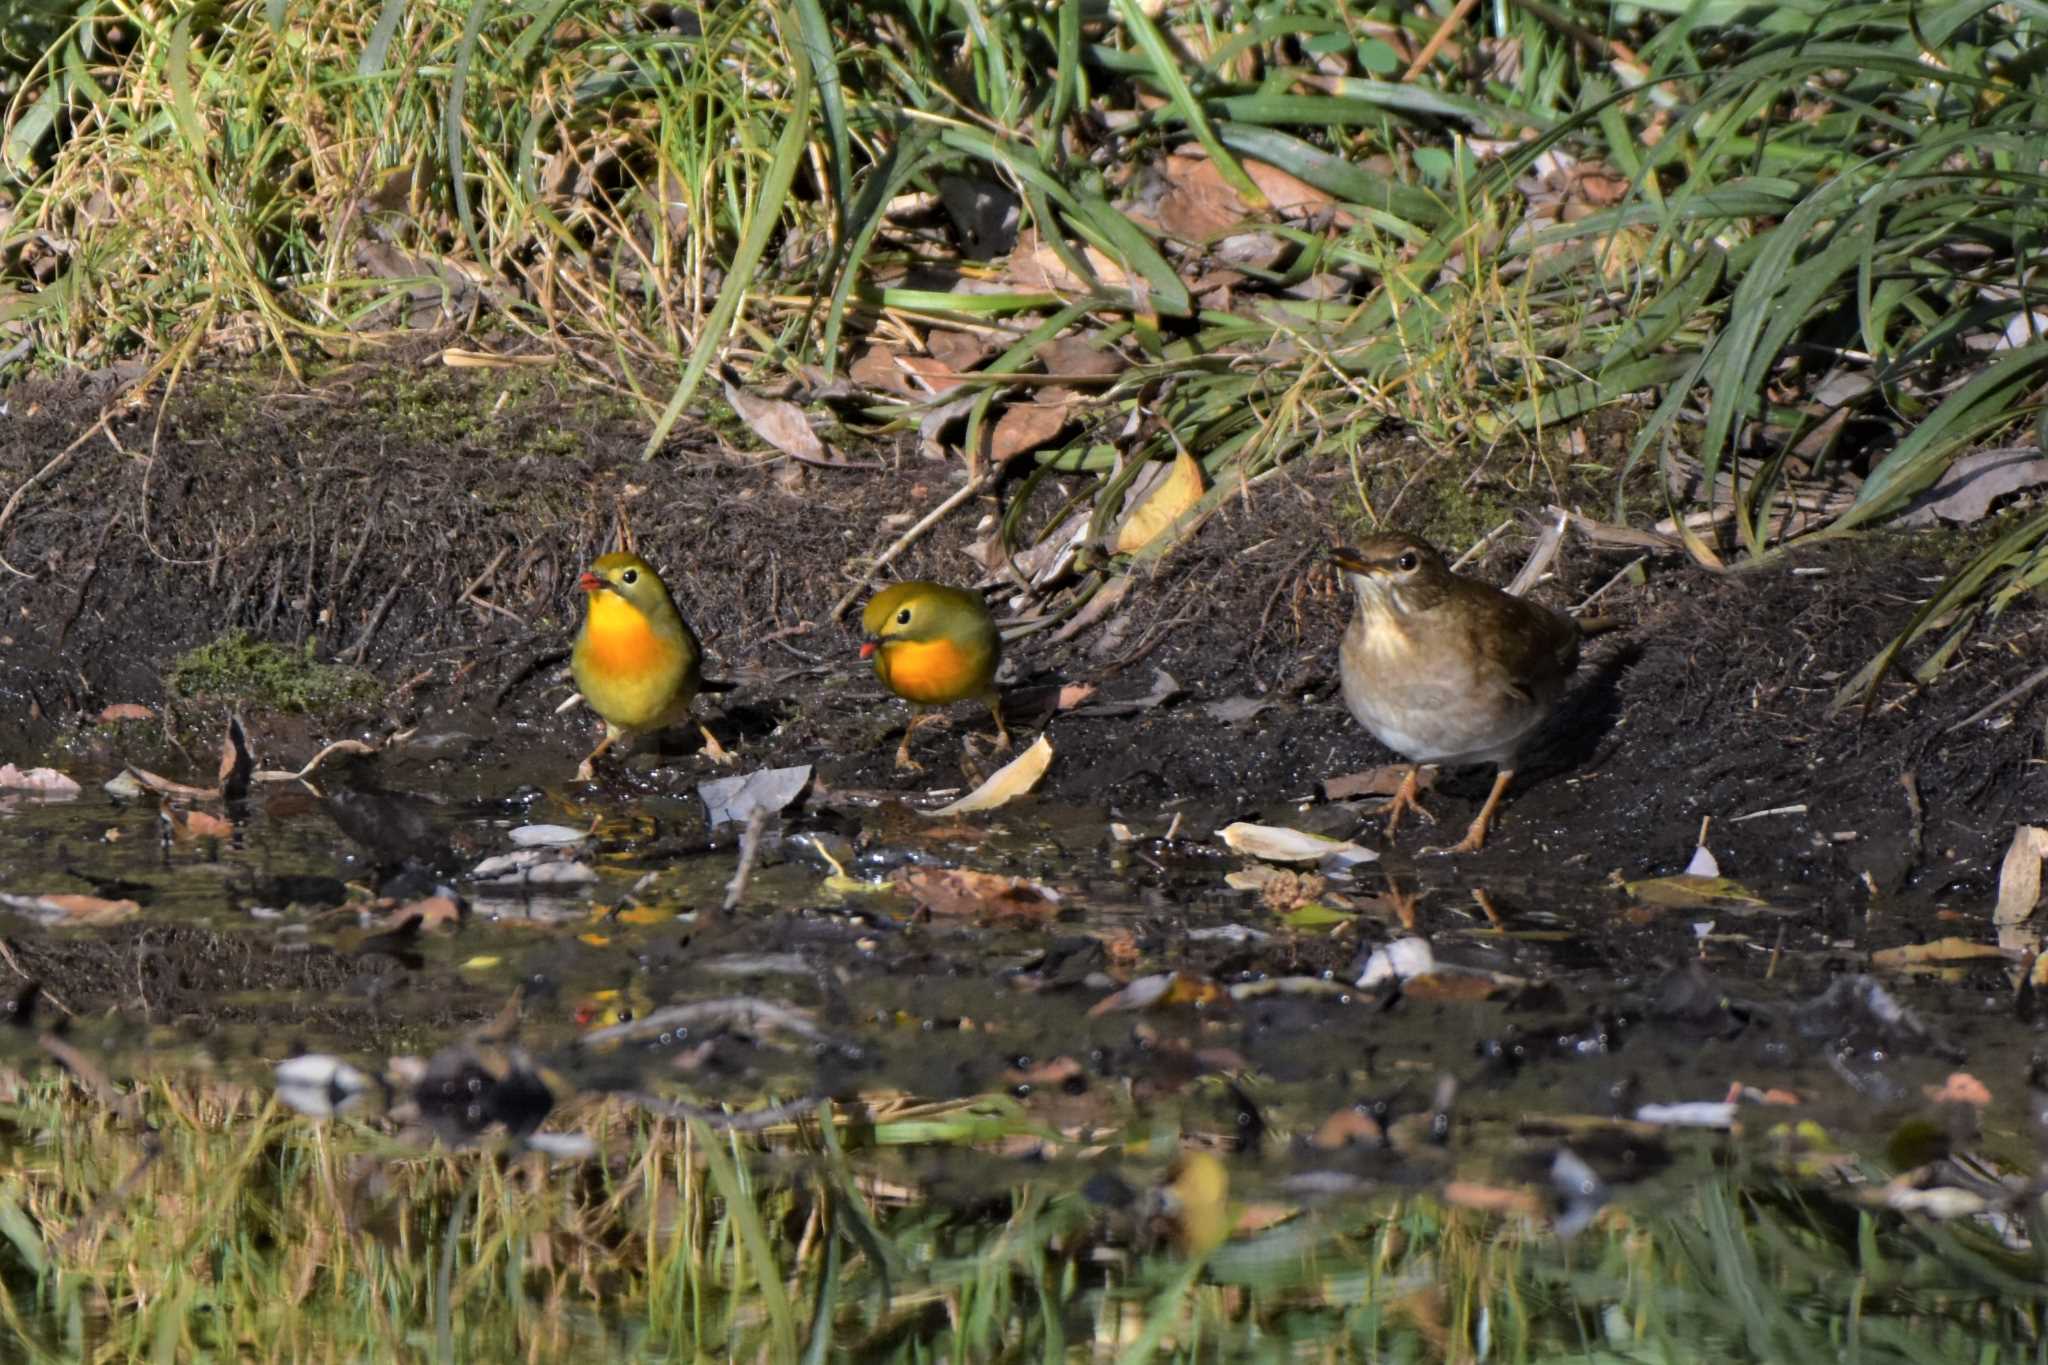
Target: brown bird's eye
(903,617)
(1407,562)
(632,576)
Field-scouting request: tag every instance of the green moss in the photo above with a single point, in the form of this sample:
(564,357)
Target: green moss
(239,668)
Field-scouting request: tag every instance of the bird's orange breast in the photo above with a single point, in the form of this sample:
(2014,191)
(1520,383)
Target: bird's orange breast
(621,644)
(931,671)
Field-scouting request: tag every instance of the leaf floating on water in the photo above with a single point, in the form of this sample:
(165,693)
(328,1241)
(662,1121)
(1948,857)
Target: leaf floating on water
(430,912)
(547,836)
(1703,864)
(1688,890)
(42,781)
(1278,844)
(766,790)
(1313,915)
(1176,495)
(959,892)
(73,909)
(1006,783)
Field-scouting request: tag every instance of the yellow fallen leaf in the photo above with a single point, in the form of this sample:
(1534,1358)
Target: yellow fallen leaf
(481,961)
(1199,1197)
(1006,783)
(1163,506)
(1686,889)
(1936,950)
(2019,876)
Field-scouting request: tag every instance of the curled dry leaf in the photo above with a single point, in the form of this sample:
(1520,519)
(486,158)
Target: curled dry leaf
(431,912)
(1157,513)
(1935,953)
(963,893)
(1278,844)
(1023,427)
(41,781)
(193,824)
(125,710)
(1384,780)
(1006,783)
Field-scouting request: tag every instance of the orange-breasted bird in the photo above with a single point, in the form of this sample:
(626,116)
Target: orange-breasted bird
(636,660)
(932,646)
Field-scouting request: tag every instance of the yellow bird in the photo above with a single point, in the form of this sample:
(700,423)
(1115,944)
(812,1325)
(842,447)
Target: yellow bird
(932,646)
(636,661)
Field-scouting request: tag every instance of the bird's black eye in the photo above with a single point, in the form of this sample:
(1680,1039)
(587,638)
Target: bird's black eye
(903,617)
(630,576)
(1407,562)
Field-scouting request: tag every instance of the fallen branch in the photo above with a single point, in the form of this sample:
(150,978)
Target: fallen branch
(905,541)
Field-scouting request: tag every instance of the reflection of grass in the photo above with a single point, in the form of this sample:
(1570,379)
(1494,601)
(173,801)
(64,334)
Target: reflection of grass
(258,1234)
(238,667)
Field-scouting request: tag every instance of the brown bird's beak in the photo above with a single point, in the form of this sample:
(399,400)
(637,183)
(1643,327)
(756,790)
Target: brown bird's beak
(1348,560)
(590,582)
(867,649)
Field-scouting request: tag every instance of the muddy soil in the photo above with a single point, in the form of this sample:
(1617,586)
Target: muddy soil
(430,527)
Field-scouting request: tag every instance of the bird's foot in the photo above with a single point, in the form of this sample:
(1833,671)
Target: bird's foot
(1406,798)
(904,762)
(1474,840)
(715,751)
(586,771)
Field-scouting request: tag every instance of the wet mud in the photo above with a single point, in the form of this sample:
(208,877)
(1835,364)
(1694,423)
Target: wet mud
(441,556)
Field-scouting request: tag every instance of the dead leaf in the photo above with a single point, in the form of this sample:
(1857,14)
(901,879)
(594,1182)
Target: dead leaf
(1450,987)
(930,374)
(41,781)
(1081,356)
(961,893)
(1346,1127)
(959,352)
(876,368)
(1006,783)
(1231,710)
(1155,516)
(780,423)
(1936,951)
(1684,890)
(1384,780)
(73,909)
(1497,1199)
(195,824)
(1198,1202)
(1024,427)
(767,790)
(125,710)
(1967,488)
(2019,876)
(1278,844)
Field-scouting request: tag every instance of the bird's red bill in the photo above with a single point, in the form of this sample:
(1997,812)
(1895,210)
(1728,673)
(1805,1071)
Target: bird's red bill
(590,582)
(867,650)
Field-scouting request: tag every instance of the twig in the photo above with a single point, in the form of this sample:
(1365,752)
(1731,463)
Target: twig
(1439,38)
(905,541)
(2026,685)
(7,956)
(377,619)
(1917,816)
(1601,591)
(750,847)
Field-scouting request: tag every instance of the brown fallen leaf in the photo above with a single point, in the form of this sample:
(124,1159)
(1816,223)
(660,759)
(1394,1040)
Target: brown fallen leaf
(959,352)
(1936,951)
(876,368)
(960,892)
(1384,780)
(1450,987)
(1052,1071)
(1960,1088)
(125,710)
(1467,1194)
(1081,355)
(1345,1128)
(930,374)
(780,423)
(1024,427)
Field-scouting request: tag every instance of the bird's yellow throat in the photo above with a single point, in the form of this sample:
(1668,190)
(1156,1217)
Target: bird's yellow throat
(621,640)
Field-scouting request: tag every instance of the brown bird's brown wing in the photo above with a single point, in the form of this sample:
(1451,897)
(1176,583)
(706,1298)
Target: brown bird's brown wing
(1524,642)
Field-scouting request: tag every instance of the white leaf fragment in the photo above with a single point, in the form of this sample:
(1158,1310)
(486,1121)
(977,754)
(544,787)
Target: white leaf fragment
(1398,961)
(546,836)
(1278,844)
(320,1086)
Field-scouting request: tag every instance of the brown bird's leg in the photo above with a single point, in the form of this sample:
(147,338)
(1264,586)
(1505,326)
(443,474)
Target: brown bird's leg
(903,759)
(588,770)
(1475,836)
(1405,799)
(995,708)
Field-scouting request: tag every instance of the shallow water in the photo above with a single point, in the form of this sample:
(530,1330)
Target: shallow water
(1559,1012)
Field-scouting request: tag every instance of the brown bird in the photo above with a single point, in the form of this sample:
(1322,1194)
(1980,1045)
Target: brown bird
(1444,669)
